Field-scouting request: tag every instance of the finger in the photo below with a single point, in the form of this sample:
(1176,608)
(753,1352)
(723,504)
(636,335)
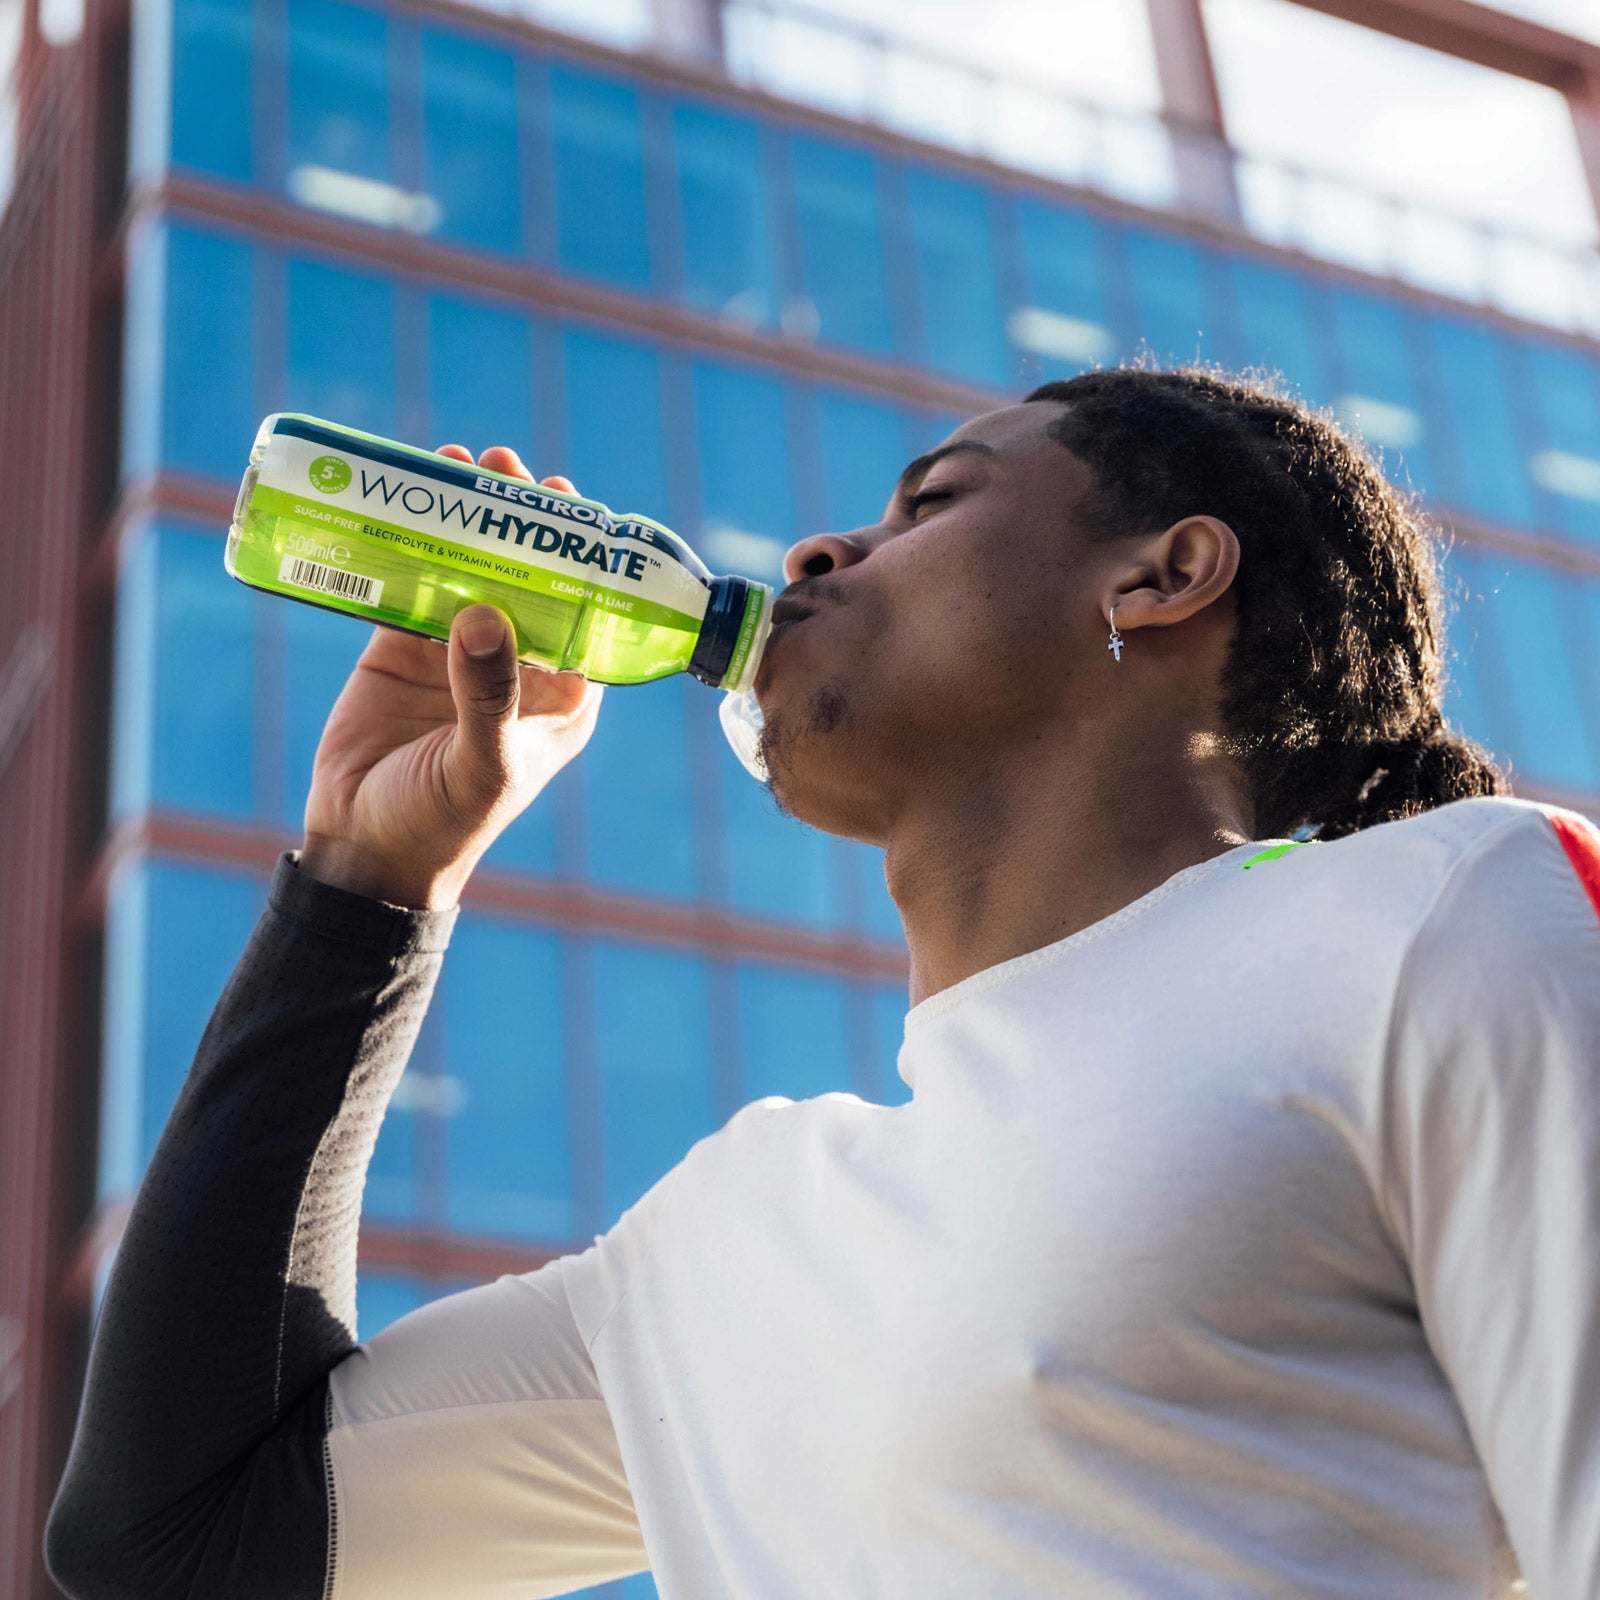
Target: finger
(456,452)
(555,694)
(485,686)
(405,655)
(502,458)
(566,485)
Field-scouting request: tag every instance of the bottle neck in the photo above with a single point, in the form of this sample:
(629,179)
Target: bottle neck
(733,634)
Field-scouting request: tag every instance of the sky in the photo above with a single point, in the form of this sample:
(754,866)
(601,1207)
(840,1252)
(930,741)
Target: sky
(1297,86)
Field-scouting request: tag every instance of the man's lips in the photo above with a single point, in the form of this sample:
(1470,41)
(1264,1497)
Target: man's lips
(787,611)
(787,615)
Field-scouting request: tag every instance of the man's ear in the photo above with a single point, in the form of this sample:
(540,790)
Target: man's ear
(1185,569)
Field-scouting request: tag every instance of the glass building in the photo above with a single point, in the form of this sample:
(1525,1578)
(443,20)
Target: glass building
(735,314)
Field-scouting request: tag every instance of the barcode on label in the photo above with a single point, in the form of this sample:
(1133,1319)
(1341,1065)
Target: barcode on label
(305,574)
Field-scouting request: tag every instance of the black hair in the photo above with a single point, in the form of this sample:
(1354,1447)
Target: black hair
(1332,684)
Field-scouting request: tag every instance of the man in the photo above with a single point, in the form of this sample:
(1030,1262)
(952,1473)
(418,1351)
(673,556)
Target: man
(1239,1238)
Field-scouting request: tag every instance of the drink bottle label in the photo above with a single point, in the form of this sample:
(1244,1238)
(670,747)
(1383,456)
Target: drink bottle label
(352,495)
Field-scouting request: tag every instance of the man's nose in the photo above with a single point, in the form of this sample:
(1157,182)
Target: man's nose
(822,552)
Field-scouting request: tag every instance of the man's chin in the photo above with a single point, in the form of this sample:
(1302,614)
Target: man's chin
(791,741)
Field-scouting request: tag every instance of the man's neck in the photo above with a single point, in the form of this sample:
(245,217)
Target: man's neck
(1003,861)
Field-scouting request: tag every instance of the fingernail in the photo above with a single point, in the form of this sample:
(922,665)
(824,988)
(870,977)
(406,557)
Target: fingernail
(483,635)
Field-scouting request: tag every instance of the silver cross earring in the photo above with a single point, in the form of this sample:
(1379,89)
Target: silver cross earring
(1115,647)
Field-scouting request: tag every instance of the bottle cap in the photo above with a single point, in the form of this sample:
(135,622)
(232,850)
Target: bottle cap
(733,633)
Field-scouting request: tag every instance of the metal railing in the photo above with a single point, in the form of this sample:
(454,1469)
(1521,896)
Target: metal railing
(892,83)
(885,81)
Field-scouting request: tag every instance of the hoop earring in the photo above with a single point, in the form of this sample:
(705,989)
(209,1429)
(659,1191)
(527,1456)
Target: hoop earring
(1115,647)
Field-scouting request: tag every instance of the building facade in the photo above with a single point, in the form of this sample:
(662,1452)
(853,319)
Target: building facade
(730,312)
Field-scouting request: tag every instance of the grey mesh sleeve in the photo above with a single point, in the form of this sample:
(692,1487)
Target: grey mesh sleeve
(199,1463)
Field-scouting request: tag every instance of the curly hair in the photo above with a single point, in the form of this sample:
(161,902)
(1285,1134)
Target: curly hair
(1332,683)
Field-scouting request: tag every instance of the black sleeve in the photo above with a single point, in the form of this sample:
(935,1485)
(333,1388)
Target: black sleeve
(198,1466)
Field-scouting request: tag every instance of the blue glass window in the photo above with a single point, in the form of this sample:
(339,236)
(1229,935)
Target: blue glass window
(652,1025)
(637,811)
(889,1007)
(384,1297)
(641,1586)
(957,294)
(841,244)
(480,378)
(793,1032)
(929,428)
(174,933)
(144,338)
(186,691)
(1492,478)
(863,450)
(727,259)
(1469,656)
(1275,327)
(205,407)
(638,819)
(1566,399)
(319,654)
(338,115)
(1172,309)
(341,347)
(1378,398)
(135,639)
(599,173)
(746,480)
(480,393)
(471,158)
(503,1093)
(881,915)
(210,92)
(1582,616)
(615,449)
(1547,737)
(776,867)
(1067,323)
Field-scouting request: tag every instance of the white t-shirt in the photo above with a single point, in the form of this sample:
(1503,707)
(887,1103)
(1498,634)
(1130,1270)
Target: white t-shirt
(1246,1243)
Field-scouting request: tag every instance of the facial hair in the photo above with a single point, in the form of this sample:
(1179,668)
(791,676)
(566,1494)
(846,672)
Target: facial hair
(784,736)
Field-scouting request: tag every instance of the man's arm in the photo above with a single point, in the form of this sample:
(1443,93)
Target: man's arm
(198,1465)
(1493,1175)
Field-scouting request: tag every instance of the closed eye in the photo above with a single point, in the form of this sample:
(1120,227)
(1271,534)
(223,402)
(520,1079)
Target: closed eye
(912,503)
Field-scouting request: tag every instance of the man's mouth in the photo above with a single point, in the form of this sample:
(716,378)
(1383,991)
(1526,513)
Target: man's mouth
(785,613)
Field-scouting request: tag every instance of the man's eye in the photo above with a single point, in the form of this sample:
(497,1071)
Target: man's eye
(915,502)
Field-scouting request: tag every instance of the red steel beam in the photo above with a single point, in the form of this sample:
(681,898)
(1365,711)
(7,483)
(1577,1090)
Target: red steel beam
(560,903)
(425,1252)
(1190,100)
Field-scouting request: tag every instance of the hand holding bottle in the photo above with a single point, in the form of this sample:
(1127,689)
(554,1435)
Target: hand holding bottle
(428,755)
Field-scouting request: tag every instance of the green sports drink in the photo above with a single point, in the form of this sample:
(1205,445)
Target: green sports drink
(384,531)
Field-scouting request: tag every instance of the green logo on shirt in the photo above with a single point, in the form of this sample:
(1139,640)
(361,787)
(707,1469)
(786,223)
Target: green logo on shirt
(1273,851)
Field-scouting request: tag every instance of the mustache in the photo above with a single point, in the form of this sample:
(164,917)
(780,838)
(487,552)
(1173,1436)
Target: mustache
(811,594)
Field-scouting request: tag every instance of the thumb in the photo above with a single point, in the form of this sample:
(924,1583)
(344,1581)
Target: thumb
(485,685)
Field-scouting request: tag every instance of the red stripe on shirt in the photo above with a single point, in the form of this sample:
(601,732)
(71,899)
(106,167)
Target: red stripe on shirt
(1581,840)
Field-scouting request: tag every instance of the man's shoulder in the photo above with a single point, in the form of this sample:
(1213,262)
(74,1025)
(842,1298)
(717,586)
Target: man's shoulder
(1408,864)
(1517,899)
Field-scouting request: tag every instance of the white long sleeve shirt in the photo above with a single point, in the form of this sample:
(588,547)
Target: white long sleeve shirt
(1245,1243)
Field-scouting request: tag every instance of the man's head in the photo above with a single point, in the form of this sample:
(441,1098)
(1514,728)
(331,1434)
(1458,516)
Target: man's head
(1278,600)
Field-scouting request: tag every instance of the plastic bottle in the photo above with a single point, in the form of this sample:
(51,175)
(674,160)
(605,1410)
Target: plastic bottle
(384,531)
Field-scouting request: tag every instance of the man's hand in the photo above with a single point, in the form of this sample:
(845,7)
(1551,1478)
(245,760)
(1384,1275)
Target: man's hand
(428,755)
